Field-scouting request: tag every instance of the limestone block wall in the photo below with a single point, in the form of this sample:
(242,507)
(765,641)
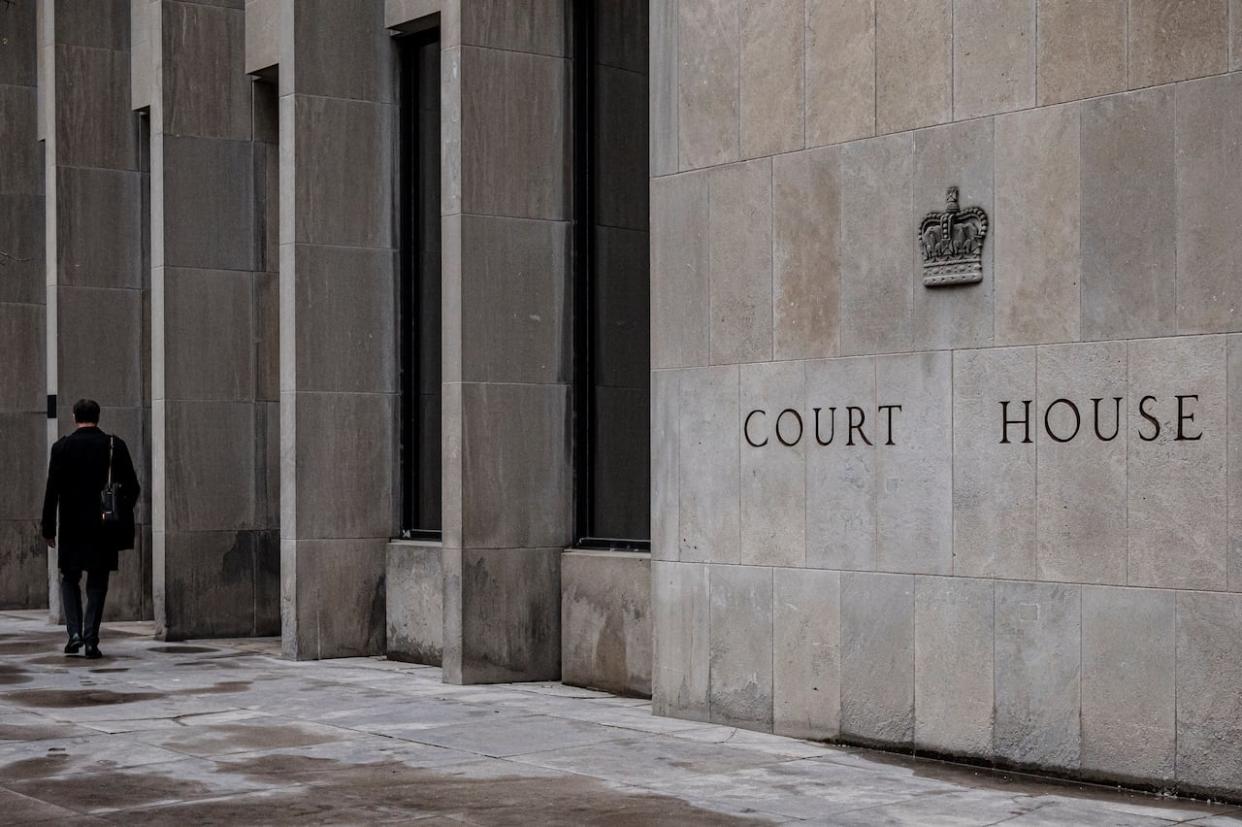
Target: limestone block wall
(926,577)
(23,437)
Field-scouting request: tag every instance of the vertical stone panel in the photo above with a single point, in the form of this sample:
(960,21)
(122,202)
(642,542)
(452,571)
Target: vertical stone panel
(679,270)
(708,60)
(840,468)
(877,657)
(876,287)
(1081,497)
(806,248)
(665,470)
(994,514)
(806,629)
(1208,137)
(680,612)
(953,679)
(708,465)
(740,630)
(414,602)
(662,111)
(1128,264)
(958,155)
(771,77)
(1036,229)
(914,507)
(606,621)
(1082,49)
(1177,39)
(1235,23)
(1233,461)
(773,474)
(840,71)
(740,262)
(1128,686)
(993,56)
(510,614)
(1177,487)
(1038,674)
(914,63)
(1209,707)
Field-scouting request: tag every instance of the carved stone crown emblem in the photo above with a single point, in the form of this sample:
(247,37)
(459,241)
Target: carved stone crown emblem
(952,244)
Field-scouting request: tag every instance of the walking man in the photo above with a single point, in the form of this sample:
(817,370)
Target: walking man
(91,479)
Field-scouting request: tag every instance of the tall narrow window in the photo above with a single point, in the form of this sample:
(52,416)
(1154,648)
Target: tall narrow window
(612,376)
(419,261)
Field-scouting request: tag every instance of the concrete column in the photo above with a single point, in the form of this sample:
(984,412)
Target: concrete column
(337,329)
(216,558)
(94,247)
(23,438)
(507,335)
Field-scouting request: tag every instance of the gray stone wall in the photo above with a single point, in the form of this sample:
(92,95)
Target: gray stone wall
(23,429)
(1070,605)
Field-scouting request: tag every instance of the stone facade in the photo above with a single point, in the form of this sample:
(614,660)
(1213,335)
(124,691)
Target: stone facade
(1058,601)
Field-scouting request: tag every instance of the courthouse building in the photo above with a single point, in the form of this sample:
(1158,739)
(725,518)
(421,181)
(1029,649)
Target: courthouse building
(860,370)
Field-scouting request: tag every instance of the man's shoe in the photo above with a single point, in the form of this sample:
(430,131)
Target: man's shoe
(74,644)
(92,651)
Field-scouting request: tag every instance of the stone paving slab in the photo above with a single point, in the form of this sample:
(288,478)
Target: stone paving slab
(226,732)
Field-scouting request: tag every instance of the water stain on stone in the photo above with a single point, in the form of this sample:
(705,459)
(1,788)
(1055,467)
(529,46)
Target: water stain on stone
(27,647)
(182,650)
(33,732)
(40,767)
(11,674)
(110,789)
(219,688)
(76,698)
(110,669)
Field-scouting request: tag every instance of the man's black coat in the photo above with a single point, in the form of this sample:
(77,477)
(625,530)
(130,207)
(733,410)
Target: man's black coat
(76,477)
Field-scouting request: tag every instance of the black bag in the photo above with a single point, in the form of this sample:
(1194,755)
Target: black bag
(110,499)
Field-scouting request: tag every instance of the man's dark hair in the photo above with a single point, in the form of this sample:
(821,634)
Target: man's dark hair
(86,410)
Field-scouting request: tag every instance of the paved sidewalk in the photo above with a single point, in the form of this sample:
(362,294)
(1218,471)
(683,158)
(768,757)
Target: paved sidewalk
(226,732)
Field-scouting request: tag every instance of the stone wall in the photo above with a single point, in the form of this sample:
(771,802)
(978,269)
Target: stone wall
(929,578)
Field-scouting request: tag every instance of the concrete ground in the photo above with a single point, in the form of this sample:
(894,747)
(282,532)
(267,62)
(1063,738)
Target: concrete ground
(223,732)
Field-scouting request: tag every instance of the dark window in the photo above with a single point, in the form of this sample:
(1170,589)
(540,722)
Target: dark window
(419,262)
(612,369)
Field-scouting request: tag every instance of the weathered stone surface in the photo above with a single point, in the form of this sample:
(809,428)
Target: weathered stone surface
(101,25)
(679,271)
(1235,23)
(1175,39)
(208,203)
(332,140)
(24,502)
(840,477)
(740,263)
(913,63)
(680,610)
(606,635)
(22,220)
(1038,674)
(1128,285)
(414,602)
(516,473)
(18,60)
(1081,49)
(1233,462)
(993,56)
(957,155)
(806,254)
(341,50)
(23,555)
(98,237)
(994,512)
(708,61)
(1209,718)
(665,465)
(262,44)
(209,337)
(515,134)
(662,112)
(1128,677)
(1082,481)
(111,322)
(90,130)
(213,591)
(1208,137)
(340,598)
(510,614)
(397,12)
(205,92)
(806,657)
(23,373)
(770,77)
(1177,487)
(914,493)
(1036,249)
(876,285)
(708,467)
(840,71)
(538,26)
(773,477)
(209,461)
(22,168)
(740,629)
(877,657)
(953,679)
(514,300)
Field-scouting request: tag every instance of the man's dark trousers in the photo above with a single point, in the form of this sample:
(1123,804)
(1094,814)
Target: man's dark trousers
(71,600)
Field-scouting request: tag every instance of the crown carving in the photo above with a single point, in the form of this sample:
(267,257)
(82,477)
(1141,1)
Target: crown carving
(952,243)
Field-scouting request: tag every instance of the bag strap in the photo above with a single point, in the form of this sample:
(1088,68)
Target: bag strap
(111,444)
